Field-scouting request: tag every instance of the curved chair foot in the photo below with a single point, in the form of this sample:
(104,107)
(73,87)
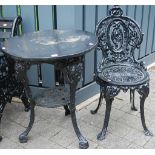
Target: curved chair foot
(93,111)
(27,109)
(134,108)
(83,144)
(147,132)
(102,135)
(67,113)
(103,132)
(1,138)
(23,138)
(99,104)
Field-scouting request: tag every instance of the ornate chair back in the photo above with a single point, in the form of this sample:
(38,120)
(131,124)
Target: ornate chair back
(118,37)
(8,29)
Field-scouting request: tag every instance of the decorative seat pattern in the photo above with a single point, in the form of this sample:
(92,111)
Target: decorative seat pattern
(118,37)
(123,74)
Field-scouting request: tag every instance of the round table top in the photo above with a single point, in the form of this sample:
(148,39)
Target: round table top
(49,45)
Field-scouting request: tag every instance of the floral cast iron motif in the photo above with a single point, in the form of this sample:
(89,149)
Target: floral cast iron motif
(118,37)
(4,68)
(124,74)
(9,86)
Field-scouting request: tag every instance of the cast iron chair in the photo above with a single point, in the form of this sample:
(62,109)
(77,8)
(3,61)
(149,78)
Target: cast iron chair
(9,85)
(118,37)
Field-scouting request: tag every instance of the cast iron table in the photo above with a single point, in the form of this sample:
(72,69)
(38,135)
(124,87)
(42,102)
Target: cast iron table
(65,49)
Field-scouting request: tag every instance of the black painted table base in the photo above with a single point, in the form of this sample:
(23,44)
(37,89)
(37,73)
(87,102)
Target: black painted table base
(65,49)
(71,69)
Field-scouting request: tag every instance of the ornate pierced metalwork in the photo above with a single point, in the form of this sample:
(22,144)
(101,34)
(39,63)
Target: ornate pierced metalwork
(118,37)
(10,85)
(67,57)
(123,74)
(72,69)
(3,68)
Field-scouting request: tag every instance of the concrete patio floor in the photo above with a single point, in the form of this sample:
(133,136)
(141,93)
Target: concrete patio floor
(53,130)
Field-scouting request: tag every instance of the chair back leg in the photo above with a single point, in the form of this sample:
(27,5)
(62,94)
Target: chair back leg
(132,100)
(99,104)
(144,92)
(3,103)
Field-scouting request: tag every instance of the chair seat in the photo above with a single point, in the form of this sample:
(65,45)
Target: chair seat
(123,74)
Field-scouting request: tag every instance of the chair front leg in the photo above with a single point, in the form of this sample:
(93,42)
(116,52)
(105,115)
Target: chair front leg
(103,132)
(144,91)
(109,93)
(132,100)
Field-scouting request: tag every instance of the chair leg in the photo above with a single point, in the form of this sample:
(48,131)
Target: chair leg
(144,91)
(3,103)
(102,134)
(146,131)
(99,104)
(132,100)
(67,111)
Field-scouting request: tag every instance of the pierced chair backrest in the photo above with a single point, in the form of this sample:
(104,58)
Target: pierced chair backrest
(118,37)
(8,29)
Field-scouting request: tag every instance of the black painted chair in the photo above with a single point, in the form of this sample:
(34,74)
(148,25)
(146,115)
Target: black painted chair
(118,38)
(9,86)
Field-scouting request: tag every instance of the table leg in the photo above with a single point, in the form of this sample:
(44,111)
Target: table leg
(83,143)
(72,74)
(21,70)
(23,137)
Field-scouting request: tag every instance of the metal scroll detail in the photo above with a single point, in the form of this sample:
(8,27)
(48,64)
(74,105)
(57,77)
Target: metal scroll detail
(3,68)
(10,85)
(73,73)
(71,69)
(110,91)
(124,74)
(143,90)
(118,37)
